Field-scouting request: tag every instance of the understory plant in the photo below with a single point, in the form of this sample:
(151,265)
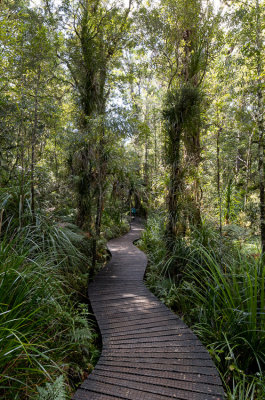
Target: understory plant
(48,338)
(220,293)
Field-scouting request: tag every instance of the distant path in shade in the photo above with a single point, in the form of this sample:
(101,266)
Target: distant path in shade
(148,352)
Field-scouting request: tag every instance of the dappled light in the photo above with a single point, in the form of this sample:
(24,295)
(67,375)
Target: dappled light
(132,200)
(138,330)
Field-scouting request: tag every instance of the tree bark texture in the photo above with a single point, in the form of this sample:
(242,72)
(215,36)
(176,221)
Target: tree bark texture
(260,126)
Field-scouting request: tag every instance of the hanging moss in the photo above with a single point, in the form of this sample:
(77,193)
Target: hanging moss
(181,114)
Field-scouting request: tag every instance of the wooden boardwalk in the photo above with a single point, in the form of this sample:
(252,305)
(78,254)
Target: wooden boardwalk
(148,352)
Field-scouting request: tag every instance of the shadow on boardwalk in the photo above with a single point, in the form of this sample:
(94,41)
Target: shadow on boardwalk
(148,352)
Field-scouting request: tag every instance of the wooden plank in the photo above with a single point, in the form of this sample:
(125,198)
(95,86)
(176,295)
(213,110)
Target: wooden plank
(148,352)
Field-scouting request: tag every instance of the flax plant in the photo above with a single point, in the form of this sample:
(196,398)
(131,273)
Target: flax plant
(220,295)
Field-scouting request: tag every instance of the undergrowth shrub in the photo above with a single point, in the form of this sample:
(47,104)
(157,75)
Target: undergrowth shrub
(220,293)
(53,391)
(114,227)
(43,331)
(48,340)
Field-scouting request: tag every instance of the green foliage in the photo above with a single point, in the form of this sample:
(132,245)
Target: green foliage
(182,107)
(84,132)
(54,391)
(220,294)
(43,276)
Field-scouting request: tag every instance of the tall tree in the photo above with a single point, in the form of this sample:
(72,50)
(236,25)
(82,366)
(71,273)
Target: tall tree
(187,35)
(94,44)
(246,39)
(30,85)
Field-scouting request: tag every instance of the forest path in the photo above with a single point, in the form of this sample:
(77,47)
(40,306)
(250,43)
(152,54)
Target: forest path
(148,352)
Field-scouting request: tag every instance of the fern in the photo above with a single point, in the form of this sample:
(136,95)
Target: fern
(81,331)
(53,391)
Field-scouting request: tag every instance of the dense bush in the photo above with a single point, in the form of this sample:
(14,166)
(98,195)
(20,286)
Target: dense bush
(220,293)
(47,336)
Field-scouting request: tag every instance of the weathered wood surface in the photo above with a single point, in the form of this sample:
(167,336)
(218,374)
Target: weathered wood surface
(148,352)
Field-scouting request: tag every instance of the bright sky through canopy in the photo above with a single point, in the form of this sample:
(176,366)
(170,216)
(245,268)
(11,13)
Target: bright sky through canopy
(58,2)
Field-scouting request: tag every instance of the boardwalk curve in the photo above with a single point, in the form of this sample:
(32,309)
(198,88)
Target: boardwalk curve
(148,352)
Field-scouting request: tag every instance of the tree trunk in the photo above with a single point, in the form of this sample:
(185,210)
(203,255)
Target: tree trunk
(56,161)
(97,228)
(248,169)
(155,155)
(228,201)
(260,125)
(174,226)
(84,172)
(102,171)
(146,167)
(146,176)
(33,145)
(22,180)
(218,179)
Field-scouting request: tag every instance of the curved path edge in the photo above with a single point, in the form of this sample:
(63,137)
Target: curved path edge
(148,352)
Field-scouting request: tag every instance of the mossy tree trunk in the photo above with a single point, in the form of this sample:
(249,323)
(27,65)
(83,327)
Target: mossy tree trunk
(187,42)
(260,124)
(174,225)
(92,48)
